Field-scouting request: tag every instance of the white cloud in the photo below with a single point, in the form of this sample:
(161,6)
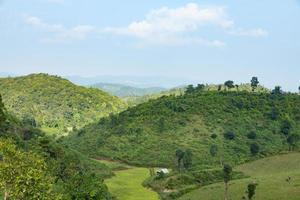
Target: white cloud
(174,26)
(258,32)
(61,33)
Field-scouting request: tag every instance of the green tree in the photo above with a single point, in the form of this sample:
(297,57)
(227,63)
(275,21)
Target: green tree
(179,155)
(286,127)
(23,174)
(187,159)
(213,150)
(227,175)
(200,87)
(229,84)
(254,149)
(292,141)
(87,186)
(254,83)
(190,89)
(277,90)
(251,188)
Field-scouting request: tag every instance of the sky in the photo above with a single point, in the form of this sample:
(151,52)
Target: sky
(176,41)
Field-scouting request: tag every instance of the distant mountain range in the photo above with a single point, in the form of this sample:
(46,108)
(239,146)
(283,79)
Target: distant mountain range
(121,90)
(133,81)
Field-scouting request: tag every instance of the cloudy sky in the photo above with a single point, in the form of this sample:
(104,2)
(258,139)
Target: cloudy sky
(198,41)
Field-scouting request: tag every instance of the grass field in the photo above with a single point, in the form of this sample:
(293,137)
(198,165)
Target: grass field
(127,185)
(270,174)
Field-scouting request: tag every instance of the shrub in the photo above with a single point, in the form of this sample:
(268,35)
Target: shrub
(229,135)
(252,135)
(254,148)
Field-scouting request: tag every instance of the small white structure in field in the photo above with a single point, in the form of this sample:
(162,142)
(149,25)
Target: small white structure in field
(163,170)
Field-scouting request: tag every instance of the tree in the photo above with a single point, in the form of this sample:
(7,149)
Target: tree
(229,135)
(190,89)
(213,150)
(251,190)
(227,175)
(254,149)
(277,90)
(229,84)
(187,159)
(252,135)
(254,83)
(23,174)
(200,87)
(292,141)
(179,155)
(286,127)
(84,185)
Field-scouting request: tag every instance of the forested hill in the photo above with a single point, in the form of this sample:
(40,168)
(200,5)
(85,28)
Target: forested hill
(241,125)
(53,102)
(35,166)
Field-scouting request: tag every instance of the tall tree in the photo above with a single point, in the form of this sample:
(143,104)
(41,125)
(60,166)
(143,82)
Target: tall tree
(277,90)
(190,89)
(187,159)
(179,155)
(251,188)
(229,84)
(254,83)
(227,174)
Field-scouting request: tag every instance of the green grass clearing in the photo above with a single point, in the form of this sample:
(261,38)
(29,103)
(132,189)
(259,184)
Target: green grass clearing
(270,174)
(127,185)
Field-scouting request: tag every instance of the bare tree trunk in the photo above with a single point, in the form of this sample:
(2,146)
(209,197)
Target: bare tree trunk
(226,192)
(5,195)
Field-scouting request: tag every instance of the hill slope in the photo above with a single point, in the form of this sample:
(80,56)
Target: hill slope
(38,165)
(52,102)
(270,174)
(125,91)
(235,122)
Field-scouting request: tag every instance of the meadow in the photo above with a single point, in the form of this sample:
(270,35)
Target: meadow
(127,182)
(269,173)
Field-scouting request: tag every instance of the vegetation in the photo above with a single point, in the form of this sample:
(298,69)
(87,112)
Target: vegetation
(127,185)
(270,175)
(159,127)
(35,166)
(53,103)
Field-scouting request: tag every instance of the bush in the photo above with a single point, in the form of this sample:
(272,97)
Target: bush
(229,135)
(214,136)
(254,149)
(252,135)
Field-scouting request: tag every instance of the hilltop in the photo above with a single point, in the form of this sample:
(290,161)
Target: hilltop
(54,103)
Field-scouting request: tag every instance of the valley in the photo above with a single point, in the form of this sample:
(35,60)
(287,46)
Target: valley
(112,152)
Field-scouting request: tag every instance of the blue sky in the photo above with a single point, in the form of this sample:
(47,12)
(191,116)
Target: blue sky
(188,41)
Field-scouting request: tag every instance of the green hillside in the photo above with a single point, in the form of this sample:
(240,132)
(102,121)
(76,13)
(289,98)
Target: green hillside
(242,126)
(270,175)
(125,90)
(53,103)
(36,166)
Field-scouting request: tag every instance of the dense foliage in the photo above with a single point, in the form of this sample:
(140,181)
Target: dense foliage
(52,102)
(35,166)
(150,133)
